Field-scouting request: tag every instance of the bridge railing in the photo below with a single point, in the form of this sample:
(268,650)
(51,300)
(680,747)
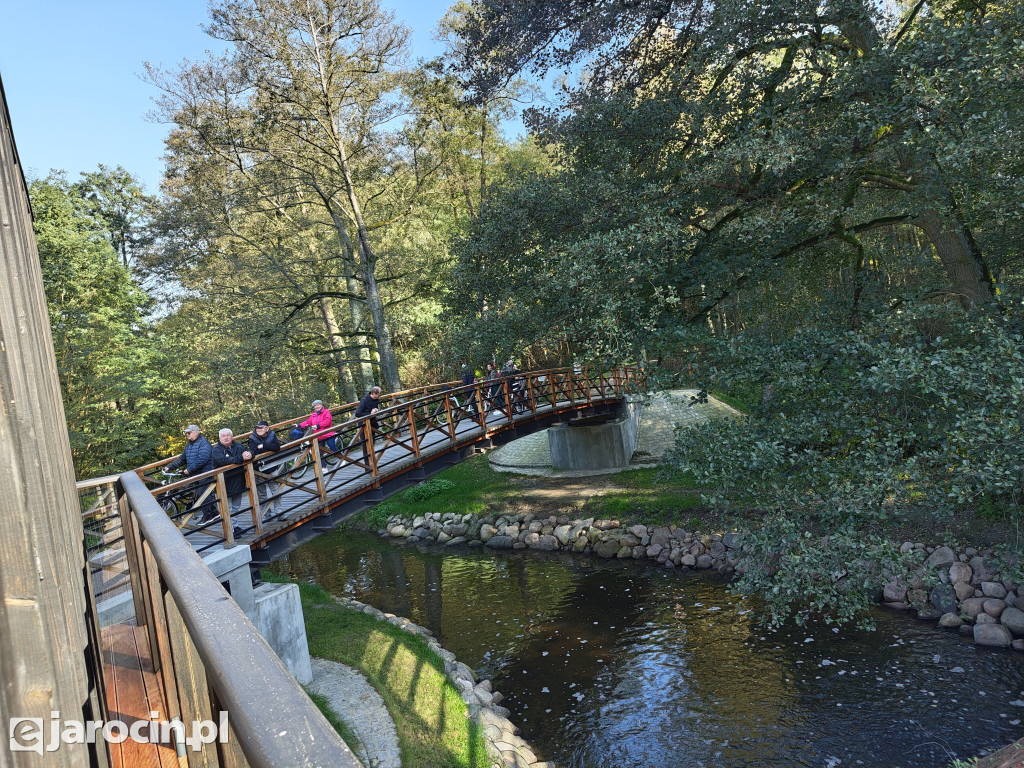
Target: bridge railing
(408,427)
(208,655)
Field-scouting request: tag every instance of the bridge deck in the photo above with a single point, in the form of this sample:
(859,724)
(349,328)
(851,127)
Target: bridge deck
(301,499)
(133,691)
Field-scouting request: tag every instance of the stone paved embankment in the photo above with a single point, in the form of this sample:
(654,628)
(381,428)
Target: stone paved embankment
(961,590)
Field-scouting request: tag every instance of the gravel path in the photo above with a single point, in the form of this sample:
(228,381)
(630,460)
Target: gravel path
(357,703)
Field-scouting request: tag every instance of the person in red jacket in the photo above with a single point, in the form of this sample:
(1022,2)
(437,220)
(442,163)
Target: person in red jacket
(320,421)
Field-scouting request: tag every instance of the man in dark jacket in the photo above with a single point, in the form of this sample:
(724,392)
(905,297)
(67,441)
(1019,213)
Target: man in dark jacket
(197,458)
(367,407)
(469,377)
(225,453)
(264,440)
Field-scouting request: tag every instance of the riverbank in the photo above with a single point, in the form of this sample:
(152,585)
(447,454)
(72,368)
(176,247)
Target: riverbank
(444,717)
(961,590)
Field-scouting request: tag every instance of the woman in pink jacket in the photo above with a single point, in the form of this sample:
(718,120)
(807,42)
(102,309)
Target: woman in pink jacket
(320,420)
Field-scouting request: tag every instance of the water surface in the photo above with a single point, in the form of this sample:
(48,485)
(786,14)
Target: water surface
(624,663)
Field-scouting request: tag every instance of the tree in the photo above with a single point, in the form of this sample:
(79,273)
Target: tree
(107,352)
(117,200)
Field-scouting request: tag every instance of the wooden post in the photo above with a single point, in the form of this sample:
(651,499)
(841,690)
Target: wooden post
(368,450)
(45,649)
(413,433)
(321,486)
(225,511)
(254,500)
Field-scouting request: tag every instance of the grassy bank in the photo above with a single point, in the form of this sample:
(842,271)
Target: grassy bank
(635,495)
(429,714)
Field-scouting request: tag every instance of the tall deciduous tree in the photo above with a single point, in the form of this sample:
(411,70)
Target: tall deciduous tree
(108,355)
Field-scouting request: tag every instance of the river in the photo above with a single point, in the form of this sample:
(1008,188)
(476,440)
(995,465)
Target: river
(623,663)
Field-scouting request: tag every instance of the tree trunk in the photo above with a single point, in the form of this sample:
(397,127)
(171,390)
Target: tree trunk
(368,261)
(347,385)
(960,255)
(356,310)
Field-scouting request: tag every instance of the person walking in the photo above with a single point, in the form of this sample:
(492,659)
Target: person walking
(469,378)
(264,440)
(225,453)
(494,400)
(197,459)
(320,421)
(368,406)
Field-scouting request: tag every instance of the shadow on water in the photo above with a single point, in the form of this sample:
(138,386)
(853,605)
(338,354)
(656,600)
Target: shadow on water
(609,663)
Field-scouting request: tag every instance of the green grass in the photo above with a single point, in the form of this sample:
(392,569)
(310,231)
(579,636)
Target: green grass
(647,498)
(469,487)
(738,403)
(429,713)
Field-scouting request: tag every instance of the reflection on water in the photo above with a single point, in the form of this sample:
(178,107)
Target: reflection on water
(610,663)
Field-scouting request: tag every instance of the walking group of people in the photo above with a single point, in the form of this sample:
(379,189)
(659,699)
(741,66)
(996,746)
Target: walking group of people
(199,456)
(492,378)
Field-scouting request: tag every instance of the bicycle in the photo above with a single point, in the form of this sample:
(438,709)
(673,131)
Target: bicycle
(296,468)
(177,501)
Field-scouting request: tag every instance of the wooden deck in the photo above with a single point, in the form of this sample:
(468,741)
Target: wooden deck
(133,690)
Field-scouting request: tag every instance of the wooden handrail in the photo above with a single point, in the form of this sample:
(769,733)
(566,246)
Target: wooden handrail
(275,722)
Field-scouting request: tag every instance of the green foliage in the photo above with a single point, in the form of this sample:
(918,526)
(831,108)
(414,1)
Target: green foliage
(108,354)
(915,415)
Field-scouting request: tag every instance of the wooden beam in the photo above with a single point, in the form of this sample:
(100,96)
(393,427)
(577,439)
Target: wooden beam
(45,649)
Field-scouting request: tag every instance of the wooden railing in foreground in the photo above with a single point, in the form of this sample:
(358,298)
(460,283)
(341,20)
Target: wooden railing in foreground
(209,656)
(409,428)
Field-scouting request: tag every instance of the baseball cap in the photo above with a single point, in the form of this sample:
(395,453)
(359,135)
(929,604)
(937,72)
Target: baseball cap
(191,428)
(261,423)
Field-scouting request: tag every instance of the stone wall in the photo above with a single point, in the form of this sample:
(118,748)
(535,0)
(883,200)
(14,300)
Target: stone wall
(958,589)
(504,746)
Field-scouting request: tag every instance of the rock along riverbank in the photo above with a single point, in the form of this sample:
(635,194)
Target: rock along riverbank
(959,590)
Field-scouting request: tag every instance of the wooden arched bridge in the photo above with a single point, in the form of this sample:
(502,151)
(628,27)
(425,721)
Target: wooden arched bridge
(415,434)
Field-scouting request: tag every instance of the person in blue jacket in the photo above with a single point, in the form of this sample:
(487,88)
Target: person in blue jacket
(197,459)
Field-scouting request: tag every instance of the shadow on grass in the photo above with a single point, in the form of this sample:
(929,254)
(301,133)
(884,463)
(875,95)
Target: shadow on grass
(429,713)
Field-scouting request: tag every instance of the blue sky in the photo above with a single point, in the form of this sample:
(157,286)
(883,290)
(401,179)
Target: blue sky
(72,75)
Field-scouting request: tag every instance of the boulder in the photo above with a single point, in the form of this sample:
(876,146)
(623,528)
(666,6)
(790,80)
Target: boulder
(654,550)
(963,590)
(688,560)
(894,591)
(982,571)
(992,634)
(1013,619)
(562,534)
(500,542)
(639,531)
(732,540)
(531,539)
(624,553)
(950,620)
(547,543)
(960,572)
(994,607)
(984,618)
(607,549)
(704,561)
(661,536)
(396,530)
(943,556)
(972,606)
(944,598)
(487,532)
(993,589)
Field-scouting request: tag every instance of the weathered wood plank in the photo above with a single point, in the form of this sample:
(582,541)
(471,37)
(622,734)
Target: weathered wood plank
(44,640)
